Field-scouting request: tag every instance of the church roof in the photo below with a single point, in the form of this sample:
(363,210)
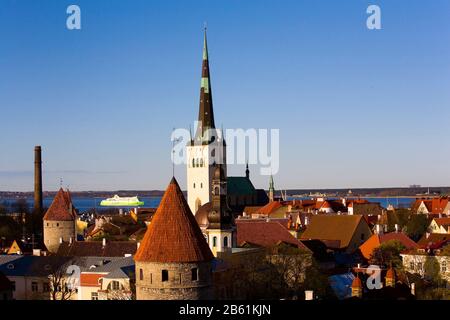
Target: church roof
(61,208)
(173,235)
(206,112)
(240,186)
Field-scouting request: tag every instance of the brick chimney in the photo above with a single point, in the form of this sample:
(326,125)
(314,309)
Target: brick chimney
(38,204)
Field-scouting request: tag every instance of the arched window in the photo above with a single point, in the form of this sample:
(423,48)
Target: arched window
(201,184)
(193,162)
(225,242)
(201,162)
(214,242)
(194,185)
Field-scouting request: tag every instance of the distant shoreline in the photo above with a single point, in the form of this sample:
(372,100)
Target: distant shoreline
(355,192)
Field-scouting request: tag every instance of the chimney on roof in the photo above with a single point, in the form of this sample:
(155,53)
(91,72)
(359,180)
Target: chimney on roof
(344,202)
(70,240)
(138,244)
(306,220)
(309,295)
(359,265)
(38,203)
(396,227)
(60,240)
(427,235)
(440,215)
(104,242)
(267,219)
(379,229)
(413,289)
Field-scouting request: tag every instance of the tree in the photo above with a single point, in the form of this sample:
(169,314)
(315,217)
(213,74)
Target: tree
(290,264)
(388,254)
(63,280)
(417,226)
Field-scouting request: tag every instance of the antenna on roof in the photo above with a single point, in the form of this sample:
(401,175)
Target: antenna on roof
(60,182)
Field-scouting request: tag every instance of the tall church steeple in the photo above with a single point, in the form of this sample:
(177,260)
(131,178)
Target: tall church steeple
(205,113)
(207,147)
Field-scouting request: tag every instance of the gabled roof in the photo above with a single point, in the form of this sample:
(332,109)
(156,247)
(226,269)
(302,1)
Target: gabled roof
(376,240)
(444,222)
(264,234)
(240,186)
(433,238)
(338,229)
(373,208)
(269,208)
(174,235)
(96,248)
(61,208)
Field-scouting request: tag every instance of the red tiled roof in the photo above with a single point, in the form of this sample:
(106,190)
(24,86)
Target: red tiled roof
(265,234)
(432,239)
(442,221)
(61,208)
(173,235)
(434,205)
(90,279)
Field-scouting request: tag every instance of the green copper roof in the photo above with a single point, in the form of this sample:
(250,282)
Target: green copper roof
(240,186)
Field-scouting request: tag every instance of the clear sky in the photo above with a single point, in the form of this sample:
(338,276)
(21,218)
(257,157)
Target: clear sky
(355,107)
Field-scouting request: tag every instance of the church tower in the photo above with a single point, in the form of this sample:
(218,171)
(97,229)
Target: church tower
(207,147)
(220,228)
(271,189)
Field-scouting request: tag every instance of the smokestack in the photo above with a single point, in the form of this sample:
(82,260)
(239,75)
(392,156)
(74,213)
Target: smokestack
(38,205)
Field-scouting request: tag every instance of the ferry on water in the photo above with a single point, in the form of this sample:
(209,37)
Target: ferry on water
(117,201)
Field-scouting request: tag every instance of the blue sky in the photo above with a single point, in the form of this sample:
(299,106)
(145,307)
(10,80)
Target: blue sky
(355,107)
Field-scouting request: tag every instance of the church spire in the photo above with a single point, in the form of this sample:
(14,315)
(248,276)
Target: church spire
(205,114)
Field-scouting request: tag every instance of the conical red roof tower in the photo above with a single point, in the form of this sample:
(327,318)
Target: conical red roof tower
(173,235)
(61,208)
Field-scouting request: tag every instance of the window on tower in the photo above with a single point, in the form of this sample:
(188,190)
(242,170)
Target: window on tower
(194,272)
(193,162)
(201,162)
(225,242)
(165,275)
(214,242)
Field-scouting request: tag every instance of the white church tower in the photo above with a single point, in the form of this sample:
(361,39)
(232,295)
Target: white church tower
(207,148)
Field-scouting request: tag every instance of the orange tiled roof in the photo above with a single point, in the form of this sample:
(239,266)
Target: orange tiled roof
(173,235)
(61,208)
(90,279)
(374,242)
(269,208)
